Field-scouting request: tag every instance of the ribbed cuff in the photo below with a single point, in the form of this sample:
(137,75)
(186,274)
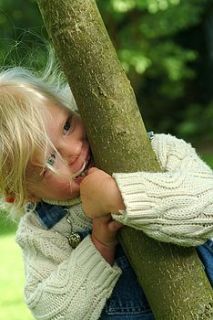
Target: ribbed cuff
(135,198)
(98,269)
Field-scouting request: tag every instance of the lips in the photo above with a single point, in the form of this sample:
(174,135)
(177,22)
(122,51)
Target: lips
(83,163)
(81,171)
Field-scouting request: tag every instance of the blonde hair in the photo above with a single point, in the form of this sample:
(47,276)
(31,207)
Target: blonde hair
(22,132)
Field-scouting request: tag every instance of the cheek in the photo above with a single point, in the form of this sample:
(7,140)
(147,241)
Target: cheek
(56,188)
(81,127)
(57,184)
(59,189)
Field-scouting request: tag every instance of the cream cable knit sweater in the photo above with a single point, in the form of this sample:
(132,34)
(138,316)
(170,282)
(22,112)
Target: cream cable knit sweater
(174,206)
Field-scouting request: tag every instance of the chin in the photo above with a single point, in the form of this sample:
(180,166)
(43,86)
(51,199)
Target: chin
(72,195)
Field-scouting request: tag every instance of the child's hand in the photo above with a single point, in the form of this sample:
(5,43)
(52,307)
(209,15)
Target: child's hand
(104,236)
(100,194)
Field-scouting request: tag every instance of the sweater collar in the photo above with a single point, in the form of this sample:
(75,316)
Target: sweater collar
(67,203)
(51,212)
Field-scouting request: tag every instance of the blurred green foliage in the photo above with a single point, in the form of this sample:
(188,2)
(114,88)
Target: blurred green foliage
(22,34)
(165,46)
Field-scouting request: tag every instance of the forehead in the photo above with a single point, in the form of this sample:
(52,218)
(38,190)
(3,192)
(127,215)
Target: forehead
(53,116)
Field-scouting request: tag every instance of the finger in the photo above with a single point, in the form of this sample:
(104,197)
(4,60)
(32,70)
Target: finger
(104,219)
(114,226)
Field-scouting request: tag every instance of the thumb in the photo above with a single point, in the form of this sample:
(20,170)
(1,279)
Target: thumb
(92,170)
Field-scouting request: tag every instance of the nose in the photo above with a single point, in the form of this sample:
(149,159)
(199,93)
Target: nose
(70,149)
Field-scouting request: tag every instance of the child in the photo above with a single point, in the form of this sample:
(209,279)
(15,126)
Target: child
(73,266)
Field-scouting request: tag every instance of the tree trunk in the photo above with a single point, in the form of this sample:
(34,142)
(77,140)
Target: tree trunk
(171,276)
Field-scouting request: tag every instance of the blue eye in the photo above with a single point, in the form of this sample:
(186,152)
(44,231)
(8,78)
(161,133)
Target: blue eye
(51,159)
(68,125)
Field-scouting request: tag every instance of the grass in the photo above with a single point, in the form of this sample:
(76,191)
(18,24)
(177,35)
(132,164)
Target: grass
(12,306)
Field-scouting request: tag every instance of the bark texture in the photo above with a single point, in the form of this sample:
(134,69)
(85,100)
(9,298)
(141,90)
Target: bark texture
(172,277)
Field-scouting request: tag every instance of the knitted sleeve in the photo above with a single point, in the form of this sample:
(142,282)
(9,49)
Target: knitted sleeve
(62,283)
(175,205)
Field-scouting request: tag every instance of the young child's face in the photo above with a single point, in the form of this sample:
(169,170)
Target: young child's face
(66,132)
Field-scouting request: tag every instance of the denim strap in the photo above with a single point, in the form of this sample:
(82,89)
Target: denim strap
(50,214)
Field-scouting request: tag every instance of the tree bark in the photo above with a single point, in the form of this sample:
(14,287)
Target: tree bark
(172,277)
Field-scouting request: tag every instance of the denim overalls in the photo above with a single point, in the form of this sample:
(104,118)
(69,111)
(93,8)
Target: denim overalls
(127,301)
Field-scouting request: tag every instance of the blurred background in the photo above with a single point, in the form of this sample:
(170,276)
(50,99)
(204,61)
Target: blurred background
(166,48)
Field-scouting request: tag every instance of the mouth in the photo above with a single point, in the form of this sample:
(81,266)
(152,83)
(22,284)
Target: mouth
(83,170)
